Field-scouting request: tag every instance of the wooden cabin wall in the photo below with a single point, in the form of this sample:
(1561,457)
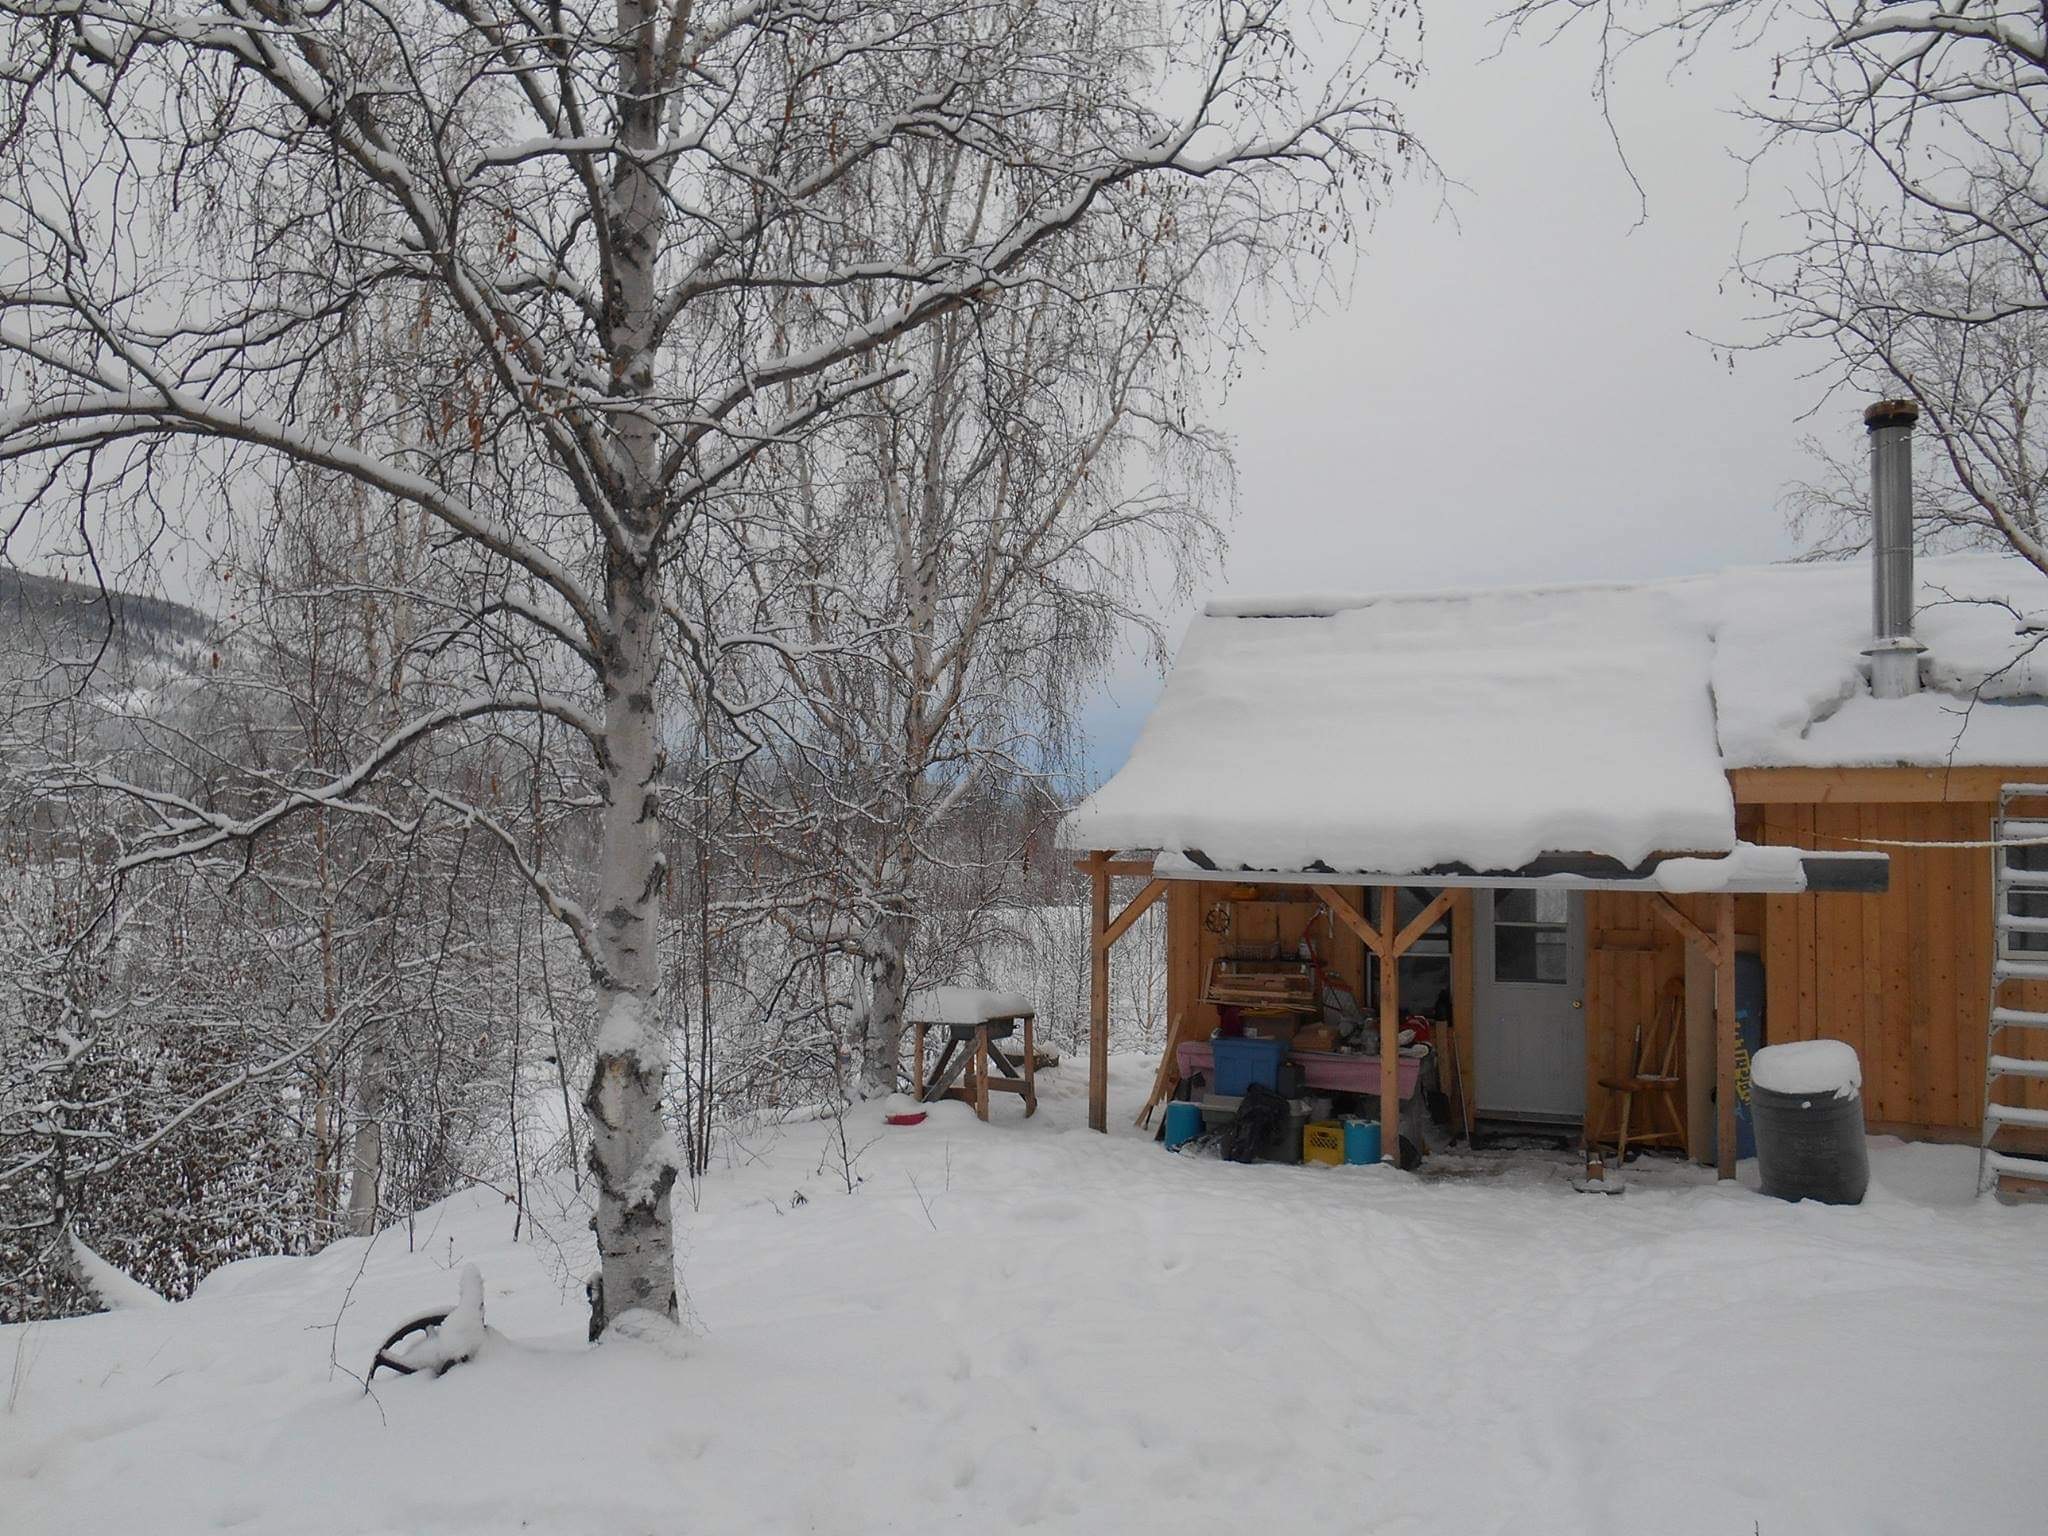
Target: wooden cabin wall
(1278,915)
(1905,976)
(1631,955)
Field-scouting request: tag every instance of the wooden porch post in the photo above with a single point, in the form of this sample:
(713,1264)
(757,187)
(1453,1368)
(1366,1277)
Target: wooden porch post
(1098,991)
(1724,1035)
(1390,1030)
(1461,1007)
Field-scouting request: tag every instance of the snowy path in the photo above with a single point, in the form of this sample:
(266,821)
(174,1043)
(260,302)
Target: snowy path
(1091,1335)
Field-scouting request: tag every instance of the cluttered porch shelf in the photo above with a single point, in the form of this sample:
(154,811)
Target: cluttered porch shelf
(1265,992)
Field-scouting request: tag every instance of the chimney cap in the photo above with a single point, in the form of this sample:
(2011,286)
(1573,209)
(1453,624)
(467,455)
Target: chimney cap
(1890,413)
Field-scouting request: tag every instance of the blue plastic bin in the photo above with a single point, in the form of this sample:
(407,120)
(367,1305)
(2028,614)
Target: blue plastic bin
(1183,1123)
(1361,1140)
(1240,1063)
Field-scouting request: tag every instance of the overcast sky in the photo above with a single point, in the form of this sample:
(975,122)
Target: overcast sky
(1518,393)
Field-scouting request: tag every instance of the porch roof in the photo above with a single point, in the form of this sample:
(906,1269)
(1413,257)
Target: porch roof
(1487,733)
(1749,868)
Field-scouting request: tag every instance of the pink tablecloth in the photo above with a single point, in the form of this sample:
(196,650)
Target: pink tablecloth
(1337,1071)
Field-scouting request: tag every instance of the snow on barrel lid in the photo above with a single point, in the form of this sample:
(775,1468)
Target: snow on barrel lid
(1812,1067)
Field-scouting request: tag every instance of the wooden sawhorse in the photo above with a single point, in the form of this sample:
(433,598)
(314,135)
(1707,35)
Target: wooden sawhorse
(969,1050)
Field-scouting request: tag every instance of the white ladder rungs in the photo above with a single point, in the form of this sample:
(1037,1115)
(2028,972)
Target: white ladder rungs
(2015,1066)
(2018,1018)
(2011,1167)
(1996,1115)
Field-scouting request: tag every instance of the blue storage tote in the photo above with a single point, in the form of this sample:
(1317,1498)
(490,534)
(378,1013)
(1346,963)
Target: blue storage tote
(1240,1063)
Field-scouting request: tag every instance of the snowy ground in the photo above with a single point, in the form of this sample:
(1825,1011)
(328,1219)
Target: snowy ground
(1025,1325)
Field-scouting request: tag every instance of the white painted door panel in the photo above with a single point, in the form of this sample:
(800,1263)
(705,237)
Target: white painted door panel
(1529,1034)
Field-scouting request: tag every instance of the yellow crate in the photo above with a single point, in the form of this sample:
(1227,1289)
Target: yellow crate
(1322,1141)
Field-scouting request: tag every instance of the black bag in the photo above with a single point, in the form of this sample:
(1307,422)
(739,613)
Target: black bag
(1261,1122)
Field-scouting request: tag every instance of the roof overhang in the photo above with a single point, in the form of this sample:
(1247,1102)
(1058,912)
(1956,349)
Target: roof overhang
(1749,869)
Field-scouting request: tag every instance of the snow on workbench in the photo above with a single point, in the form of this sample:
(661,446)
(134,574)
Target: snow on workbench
(964,1005)
(1404,732)
(1812,1067)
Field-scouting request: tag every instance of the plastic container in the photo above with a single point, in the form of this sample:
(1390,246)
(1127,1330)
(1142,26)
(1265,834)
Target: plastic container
(1322,1141)
(1218,1109)
(1285,1147)
(1183,1123)
(1361,1140)
(1240,1063)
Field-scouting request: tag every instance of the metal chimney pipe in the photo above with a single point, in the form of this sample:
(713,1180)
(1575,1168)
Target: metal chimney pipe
(1894,653)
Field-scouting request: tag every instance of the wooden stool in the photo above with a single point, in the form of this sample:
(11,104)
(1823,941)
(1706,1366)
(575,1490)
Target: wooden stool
(969,1050)
(1653,1073)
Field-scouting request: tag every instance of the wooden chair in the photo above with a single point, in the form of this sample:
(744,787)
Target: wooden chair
(1653,1073)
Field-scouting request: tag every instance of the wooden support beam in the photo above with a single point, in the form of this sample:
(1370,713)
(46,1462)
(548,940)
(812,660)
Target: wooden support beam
(1116,930)
(1691,931)
(1390,1033)
(1425,920)
(1119,869)
(1462,980)
(1345,913)
(1724,1035)
(1098,993)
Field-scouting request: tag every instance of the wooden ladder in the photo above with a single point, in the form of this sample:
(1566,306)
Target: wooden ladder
(2019,955)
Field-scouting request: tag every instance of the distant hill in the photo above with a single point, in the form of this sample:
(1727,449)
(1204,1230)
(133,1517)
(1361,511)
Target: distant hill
(59,637)
(49,617)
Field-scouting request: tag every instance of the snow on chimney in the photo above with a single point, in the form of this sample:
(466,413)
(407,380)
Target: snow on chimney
(1894,653)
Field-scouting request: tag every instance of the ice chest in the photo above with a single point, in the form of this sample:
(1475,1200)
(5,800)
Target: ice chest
(1241,1062)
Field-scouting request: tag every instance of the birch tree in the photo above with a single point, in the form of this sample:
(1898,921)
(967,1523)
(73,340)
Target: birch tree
(617,210)
(956,566)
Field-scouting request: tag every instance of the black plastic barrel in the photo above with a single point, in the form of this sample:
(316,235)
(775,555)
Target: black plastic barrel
(1810,1146)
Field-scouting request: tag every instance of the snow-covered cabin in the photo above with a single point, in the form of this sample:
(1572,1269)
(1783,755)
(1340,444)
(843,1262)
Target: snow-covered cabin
(1593,793)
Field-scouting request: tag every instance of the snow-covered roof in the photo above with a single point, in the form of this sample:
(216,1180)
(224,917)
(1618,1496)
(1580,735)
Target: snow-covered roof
(1487,728)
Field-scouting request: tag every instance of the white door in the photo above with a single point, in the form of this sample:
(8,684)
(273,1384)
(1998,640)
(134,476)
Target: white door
(1529,1036)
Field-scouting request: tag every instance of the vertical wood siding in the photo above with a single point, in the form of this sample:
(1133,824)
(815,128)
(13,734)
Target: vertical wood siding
(1904,977)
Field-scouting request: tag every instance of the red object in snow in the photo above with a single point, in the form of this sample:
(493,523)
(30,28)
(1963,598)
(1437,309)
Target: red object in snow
(912,1117)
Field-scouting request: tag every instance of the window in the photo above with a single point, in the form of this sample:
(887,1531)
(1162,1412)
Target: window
(2028,902)
(1530,936)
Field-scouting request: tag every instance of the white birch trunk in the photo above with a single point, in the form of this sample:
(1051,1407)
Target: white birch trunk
(366,1150)
(882,1049)
(632,1155)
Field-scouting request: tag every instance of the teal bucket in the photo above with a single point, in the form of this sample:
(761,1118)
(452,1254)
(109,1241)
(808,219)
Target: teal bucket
(1184,1123)
(1361,1140)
